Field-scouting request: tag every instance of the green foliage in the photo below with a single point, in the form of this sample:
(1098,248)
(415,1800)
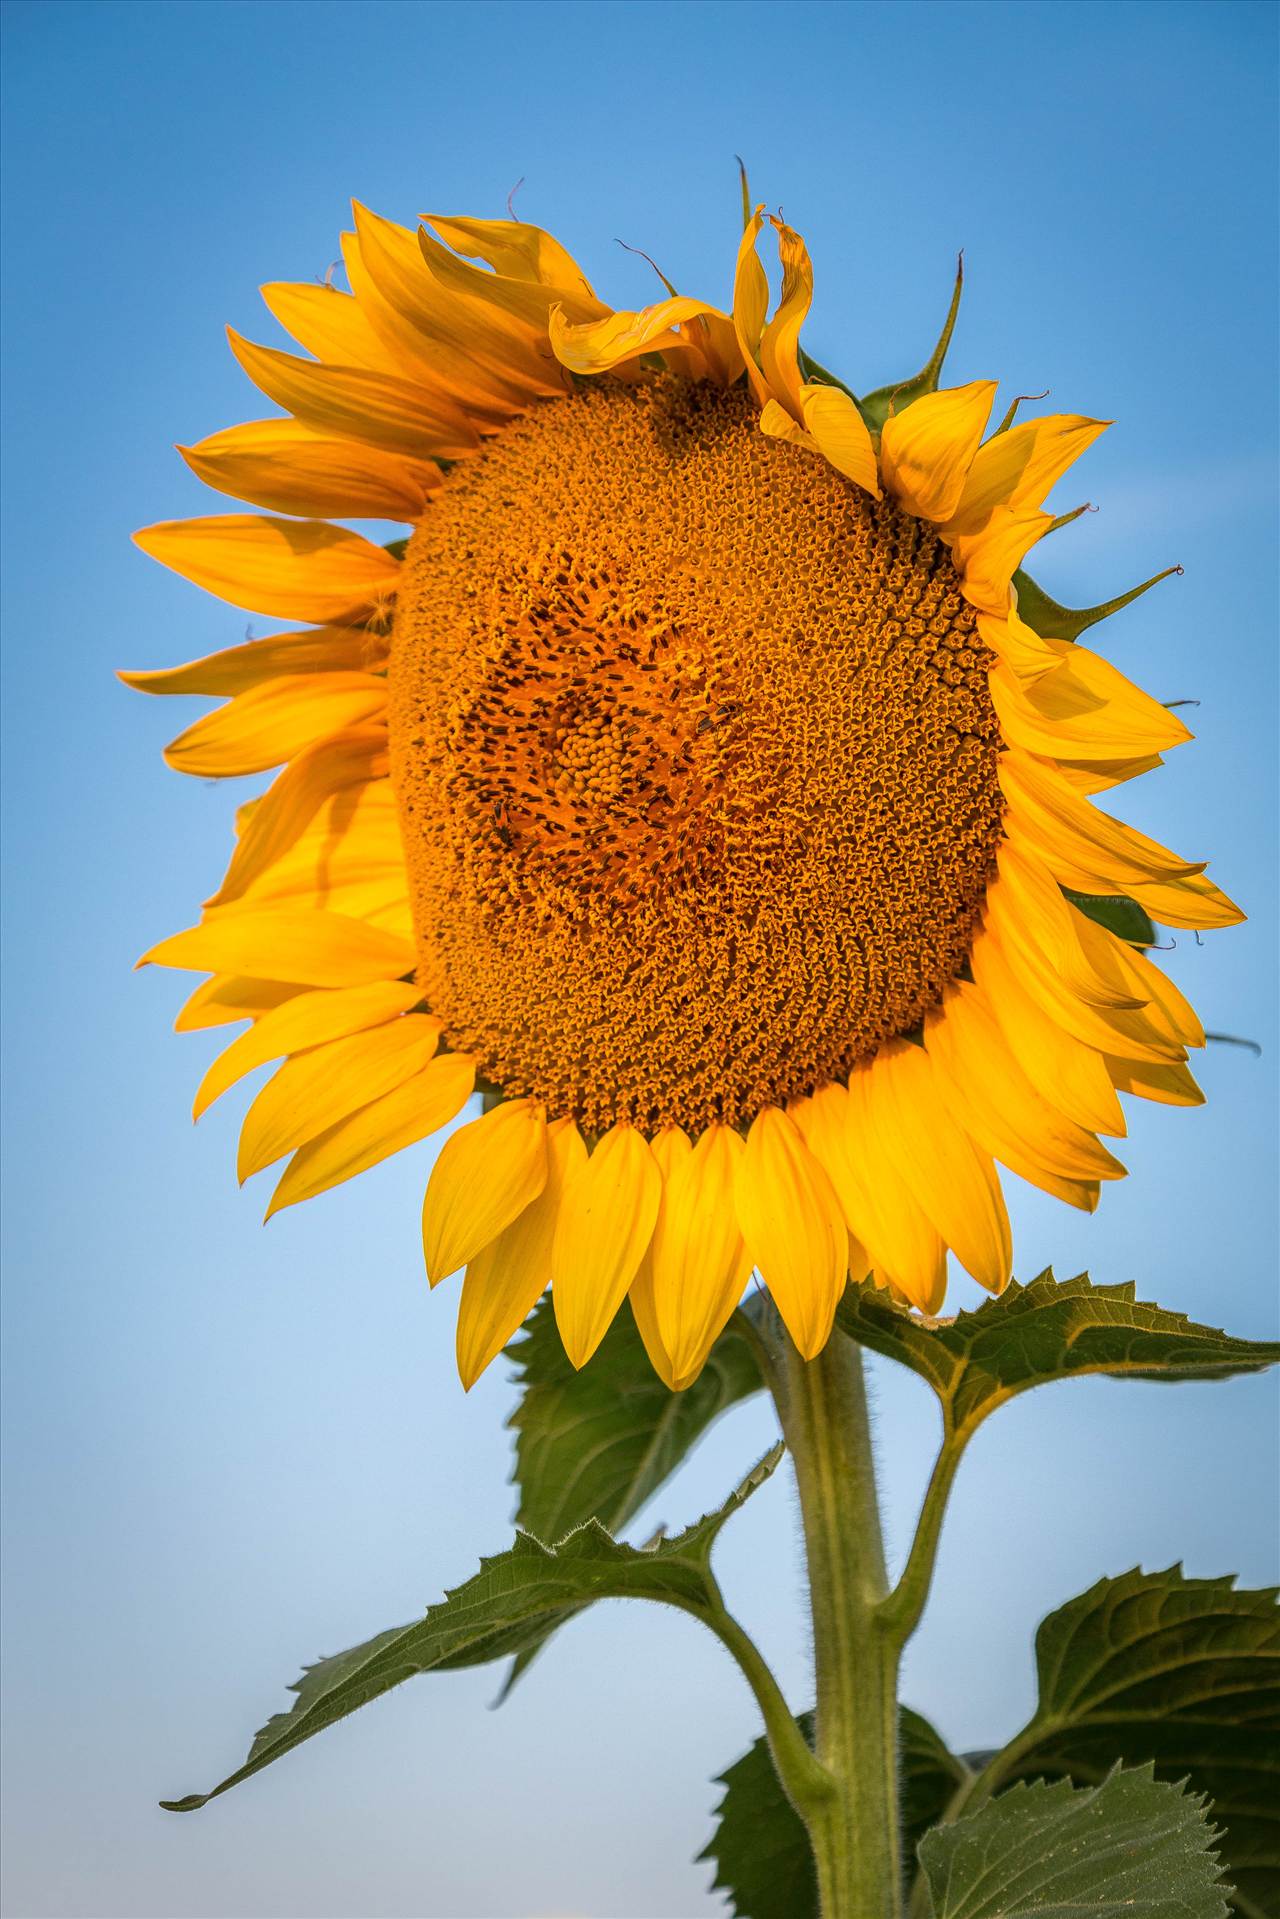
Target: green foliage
(493,1614)
(877,406)
(1184,1673)
(597,1444)
(760,1848)
(1054,622)
(1130,1848)
(1047,1330)
(1118,913)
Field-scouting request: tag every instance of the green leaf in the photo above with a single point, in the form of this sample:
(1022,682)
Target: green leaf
(493,1613)
(876,407)
(760,1847)
(1118,913)
(1048,1330)
(1053,622)
(598,1443)
(1183,1673)
(1130,1848)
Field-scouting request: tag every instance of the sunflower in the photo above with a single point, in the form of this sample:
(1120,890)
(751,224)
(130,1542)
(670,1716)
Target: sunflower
(702,783)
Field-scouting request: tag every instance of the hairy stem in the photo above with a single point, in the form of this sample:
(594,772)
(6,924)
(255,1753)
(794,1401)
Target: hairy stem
(855,1829)
(900,1612)
(804,1780)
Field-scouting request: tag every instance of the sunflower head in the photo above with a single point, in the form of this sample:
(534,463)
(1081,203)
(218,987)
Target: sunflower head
(702,780)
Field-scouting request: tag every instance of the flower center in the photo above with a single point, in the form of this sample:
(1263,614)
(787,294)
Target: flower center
(694,757)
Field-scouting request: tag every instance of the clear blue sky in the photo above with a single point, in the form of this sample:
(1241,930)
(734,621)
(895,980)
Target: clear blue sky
(231,1450)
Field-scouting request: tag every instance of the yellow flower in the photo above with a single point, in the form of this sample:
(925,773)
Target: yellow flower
(703,783)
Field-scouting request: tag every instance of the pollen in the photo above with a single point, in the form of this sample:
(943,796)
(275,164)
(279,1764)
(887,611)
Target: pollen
(694,759)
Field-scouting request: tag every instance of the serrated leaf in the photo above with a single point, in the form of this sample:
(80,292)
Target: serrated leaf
(1118,913)
(492,1614)
(1048,1330)
(1054,622)
(1183,1673)
(1130,1848)
(597,1444)
(760,1848)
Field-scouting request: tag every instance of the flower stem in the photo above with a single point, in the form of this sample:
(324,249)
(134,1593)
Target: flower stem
(855,1829)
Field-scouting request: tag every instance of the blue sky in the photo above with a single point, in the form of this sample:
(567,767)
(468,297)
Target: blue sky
(231,1450)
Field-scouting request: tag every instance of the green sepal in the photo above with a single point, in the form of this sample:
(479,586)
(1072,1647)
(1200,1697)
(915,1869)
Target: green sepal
(1053,622)
(397,548)
(597,1443)
(876,407)
(1129,1848)
(1034,1334)
(1184,1674)
(812,371)
(760,1848)
(514,1594)
(1118,913)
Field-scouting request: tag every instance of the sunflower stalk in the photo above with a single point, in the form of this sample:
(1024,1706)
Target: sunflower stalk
(855,1829)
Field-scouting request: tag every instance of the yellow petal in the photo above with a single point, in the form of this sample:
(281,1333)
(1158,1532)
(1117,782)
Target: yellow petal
(330,324)
(987,560)
(836,432)
(952,1179)
(927,449)
(313,1091)
(359,405)
(302,1021)
(514,302)
(1019,467)
(270,723)
(990,1094)
(428,333)
(640,1298)
(751,305)
(485,1176)
(1083,710)
(780,340)
(1168,1009)
(606,1222)
(881,1211)
(1081,1085)
(1025,654)
(401,1118)
(602,346)
(293,800)
(398,268)
(514,249)
(321,649)
(310,949)
(793,1228)
(1026,902)
(841,435)
(505,1281)
(1193,901)
(670,1148)
(226,999)
(1169,1085)
(1085,992)
(699,1262)
(292,468)
(292,569)
(1074,833)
